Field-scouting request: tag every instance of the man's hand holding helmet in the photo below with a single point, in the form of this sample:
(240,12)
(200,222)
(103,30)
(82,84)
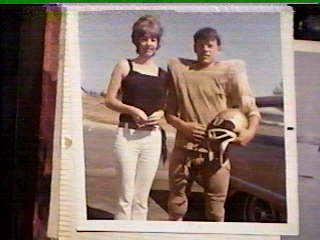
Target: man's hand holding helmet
(194,131)
(245,136)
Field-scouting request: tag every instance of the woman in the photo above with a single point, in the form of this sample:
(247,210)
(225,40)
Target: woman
(138,142)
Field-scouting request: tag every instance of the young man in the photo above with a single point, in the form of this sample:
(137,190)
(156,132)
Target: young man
(198,91)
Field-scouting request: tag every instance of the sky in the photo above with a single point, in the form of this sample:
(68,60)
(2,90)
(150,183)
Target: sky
(105,39)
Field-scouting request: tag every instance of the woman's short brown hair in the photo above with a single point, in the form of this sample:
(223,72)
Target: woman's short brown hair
(147,25)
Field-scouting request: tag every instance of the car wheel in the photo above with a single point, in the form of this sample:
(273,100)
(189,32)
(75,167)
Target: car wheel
(246,208)
(258,210)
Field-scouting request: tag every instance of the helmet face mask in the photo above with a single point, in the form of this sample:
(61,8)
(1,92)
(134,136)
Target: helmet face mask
(221,134)
(223,130)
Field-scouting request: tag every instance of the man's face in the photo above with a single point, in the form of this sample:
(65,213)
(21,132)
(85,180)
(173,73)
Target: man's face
(206,50)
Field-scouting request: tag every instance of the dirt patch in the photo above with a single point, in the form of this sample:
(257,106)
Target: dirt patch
(95,110)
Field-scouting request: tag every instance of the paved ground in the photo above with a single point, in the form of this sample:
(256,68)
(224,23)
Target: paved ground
(100,181)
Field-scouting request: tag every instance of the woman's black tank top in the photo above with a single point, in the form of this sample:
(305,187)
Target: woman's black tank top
(143,91)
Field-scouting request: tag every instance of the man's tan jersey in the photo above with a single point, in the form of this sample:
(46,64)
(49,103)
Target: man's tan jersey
(197,95)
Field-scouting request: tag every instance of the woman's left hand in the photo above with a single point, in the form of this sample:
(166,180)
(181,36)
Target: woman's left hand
(155,117)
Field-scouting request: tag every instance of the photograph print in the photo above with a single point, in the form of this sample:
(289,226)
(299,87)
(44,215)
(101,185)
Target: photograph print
(187,120)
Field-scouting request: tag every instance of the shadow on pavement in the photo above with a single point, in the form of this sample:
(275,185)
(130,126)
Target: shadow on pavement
(196,211)
(195,208)
(94,213)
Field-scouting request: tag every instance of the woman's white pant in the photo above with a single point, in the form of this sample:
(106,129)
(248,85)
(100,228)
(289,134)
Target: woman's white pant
(137,157)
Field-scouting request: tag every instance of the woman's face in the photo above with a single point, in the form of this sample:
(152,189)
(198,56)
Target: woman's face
(148,46)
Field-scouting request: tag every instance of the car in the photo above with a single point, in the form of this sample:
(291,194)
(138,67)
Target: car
(257,190)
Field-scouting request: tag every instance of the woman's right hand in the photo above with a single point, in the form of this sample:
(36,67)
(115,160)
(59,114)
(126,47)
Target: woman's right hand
(139,116)
(155,117)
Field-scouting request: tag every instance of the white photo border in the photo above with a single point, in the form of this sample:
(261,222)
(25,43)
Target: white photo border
(72,172)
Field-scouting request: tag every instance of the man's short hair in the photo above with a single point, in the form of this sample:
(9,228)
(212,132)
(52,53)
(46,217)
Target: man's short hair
(207,33)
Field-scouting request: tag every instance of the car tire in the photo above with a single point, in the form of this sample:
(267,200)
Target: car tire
(247,208)
(258,210)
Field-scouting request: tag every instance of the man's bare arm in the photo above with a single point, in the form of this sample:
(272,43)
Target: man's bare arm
(246,135)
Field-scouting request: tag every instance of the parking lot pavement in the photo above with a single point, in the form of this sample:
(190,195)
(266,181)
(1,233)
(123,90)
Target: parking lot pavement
(309,192)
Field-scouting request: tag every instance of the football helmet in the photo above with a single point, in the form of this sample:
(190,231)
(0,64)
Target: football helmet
(222,130)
